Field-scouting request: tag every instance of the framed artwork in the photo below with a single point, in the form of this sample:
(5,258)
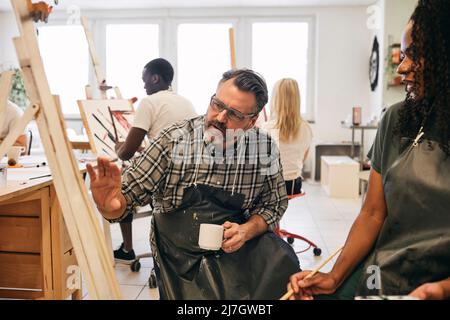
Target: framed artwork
(107,122)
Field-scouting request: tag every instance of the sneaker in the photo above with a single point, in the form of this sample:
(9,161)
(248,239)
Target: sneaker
(120,256)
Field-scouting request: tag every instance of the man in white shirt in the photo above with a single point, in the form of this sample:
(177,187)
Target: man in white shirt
(159,110)
(11,116)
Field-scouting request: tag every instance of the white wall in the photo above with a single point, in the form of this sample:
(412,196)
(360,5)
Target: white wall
(342,65)
(342,72)
(376,97)
(8,30)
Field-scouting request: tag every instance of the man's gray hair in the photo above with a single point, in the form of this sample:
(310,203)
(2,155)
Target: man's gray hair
(249,81)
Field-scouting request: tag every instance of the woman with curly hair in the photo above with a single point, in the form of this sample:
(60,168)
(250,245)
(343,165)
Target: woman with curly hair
(400,242)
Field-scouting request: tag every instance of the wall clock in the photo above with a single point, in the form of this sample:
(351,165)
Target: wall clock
(374,64)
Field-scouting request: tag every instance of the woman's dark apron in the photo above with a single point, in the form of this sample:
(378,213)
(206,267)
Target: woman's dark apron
(260,269)
(413,247)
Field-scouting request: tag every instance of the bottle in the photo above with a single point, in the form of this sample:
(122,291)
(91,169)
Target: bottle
(357,116)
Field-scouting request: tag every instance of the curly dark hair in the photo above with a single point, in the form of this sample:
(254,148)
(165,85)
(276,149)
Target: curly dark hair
(161,67)
(430,41)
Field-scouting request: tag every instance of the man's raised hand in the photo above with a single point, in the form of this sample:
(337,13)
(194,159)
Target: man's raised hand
(106,188)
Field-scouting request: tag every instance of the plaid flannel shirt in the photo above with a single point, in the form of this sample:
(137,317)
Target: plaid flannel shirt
(168,165)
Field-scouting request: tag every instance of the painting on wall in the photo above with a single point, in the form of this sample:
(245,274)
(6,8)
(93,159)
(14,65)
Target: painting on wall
(107,122)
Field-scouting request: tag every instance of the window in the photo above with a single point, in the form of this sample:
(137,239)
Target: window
(280,50)
(198,49)
(129,47)
(203,56)
(65,54)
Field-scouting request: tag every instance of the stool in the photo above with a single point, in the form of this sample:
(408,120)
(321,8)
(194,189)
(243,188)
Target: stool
(290,237)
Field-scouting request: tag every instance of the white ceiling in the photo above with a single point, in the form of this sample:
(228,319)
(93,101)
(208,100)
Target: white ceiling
(134,4)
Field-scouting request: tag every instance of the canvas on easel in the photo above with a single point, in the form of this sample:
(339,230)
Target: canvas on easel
(122,121)
(107,122)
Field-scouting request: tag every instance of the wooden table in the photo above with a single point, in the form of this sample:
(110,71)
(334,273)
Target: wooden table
(80,143)
(35,248)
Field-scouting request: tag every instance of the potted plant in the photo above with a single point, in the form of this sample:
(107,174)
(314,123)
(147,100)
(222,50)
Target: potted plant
(18,94)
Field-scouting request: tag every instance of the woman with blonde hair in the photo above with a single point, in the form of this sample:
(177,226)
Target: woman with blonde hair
(292,133)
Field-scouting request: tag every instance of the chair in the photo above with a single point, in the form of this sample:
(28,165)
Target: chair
(290,237)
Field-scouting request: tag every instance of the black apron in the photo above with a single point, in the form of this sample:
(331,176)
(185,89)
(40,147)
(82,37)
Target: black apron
(260,269)
(413,247)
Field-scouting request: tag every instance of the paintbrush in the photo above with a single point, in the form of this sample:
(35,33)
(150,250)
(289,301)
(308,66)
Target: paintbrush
(113,123)
(100,139)
(291,292)
(40,177)
(110,135)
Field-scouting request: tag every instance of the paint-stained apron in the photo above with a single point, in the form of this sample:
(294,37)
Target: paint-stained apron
(413,247)
(260,269)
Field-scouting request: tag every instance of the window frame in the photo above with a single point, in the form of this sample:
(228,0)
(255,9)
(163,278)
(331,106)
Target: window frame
(101,30)
(59,21)
(168,20)
(310,20)
(197,20)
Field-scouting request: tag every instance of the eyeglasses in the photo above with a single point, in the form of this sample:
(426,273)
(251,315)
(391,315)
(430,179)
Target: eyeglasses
(232,114)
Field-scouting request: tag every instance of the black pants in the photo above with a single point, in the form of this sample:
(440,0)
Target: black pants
(294,186)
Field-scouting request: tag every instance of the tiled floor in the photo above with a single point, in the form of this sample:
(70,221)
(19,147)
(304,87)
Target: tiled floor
(321,219)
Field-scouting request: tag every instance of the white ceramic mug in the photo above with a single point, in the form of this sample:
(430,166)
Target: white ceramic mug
(210,236)
(14,154)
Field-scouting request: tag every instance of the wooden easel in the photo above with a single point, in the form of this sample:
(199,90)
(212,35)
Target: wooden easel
(232,48)
(101,79)
(103,87)
(233,60)
(81,221)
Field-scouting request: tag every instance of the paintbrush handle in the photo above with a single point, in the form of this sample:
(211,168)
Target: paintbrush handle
(312,274)
(110,135)
(288,294)
(113,124)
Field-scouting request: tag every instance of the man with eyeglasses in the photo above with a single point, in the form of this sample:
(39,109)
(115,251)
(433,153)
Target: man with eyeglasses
(216,169)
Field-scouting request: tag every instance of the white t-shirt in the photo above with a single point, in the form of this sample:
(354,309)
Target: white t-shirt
(293,152)
(160,110)
(12,114)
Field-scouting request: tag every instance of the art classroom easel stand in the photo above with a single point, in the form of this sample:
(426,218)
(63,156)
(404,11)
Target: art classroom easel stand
(101,79)
(80,217)
(233,60)
(232,48)
(103,87)
(5,88)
